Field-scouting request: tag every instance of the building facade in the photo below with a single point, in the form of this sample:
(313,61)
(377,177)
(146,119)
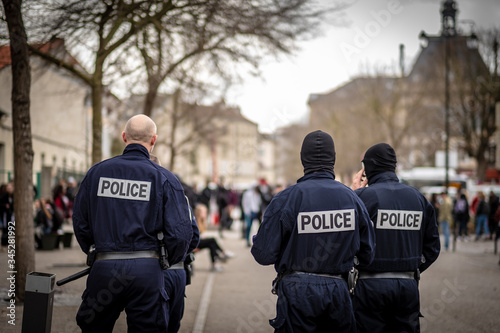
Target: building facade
(60,123)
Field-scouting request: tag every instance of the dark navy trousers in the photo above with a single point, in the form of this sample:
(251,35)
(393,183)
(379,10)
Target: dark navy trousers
(311,303)
(175,286)
(134,285)
(387,305)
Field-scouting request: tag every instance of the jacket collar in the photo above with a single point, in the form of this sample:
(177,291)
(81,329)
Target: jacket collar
(387,176)
(136,149)
(316,175)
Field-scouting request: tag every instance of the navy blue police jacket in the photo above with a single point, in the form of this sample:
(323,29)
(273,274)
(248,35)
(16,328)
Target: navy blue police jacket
(195,241)
(405,225)
(123,203)
(317,225)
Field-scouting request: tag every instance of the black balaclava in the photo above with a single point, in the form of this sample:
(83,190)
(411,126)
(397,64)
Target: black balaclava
(379,158)
(318,153)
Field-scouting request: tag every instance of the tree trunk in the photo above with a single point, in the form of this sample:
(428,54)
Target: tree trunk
(97,110)
(23,152)
(482,166)
(150,98)
(173,128)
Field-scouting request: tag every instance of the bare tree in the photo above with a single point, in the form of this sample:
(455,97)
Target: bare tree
(189,125)
(477,92)
(23,256)
(223,32)
(289,143)
(108,25)
(239,28)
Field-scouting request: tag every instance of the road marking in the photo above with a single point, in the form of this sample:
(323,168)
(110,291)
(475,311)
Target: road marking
(201,315)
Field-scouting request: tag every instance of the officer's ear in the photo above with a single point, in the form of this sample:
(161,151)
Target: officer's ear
(153,140)
(124,137)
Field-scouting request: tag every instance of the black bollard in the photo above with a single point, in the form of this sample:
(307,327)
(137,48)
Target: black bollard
(38,302)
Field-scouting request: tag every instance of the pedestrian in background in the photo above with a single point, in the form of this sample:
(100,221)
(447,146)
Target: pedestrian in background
(445,218)
(217,253)
(482,214)
(124,206)
(224,208)
(60,200)
(311,233)
(435,203)
(494,203)
(251,203)
(461,216)
(386,298)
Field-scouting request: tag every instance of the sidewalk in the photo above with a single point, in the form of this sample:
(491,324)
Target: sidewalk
(459,293)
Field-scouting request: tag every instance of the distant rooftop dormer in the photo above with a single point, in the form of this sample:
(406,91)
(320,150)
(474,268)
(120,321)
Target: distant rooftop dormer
(462,50)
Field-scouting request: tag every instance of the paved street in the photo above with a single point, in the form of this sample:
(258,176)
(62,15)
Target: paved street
(459,293)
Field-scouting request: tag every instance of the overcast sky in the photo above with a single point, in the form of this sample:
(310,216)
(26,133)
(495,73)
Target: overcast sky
(370,41)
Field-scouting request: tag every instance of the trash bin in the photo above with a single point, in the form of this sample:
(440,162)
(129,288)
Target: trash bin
(38,302)
(67,238)
(49,241)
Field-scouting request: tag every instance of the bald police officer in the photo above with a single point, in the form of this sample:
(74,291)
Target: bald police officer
(123,206)
(311,232)
(387,297)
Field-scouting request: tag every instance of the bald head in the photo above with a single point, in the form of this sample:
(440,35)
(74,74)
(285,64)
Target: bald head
(140,129)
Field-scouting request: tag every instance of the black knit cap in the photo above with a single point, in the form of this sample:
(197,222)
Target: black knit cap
(318,153)
(379,158)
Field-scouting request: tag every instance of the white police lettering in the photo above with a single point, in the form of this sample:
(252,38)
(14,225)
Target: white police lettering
(124,189)
(326,221)
(399,219)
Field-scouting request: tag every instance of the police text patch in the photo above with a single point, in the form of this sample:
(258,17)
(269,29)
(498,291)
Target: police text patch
(326,221)
(124,189)
(399,219)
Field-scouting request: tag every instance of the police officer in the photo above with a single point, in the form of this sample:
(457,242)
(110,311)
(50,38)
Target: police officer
(176,276)
(387,297)
(311,232)
(124,206)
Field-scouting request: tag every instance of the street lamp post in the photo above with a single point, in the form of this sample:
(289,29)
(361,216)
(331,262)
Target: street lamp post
(447,109)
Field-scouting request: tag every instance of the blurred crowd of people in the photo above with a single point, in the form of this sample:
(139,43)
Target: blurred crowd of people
(217,206)
(467,219)
(49,213)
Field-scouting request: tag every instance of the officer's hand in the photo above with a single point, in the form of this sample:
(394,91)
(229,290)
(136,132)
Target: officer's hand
(359,180)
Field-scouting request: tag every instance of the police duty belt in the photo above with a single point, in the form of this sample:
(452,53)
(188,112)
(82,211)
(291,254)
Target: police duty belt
(126,255)
(386,275)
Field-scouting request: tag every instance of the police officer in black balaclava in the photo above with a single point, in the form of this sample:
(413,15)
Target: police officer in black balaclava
(311,233)
(318,153)
(387,297)
(379,158)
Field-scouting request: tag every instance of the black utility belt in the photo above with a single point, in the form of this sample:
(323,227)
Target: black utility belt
(387,275)
(126,255)
(319,274)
